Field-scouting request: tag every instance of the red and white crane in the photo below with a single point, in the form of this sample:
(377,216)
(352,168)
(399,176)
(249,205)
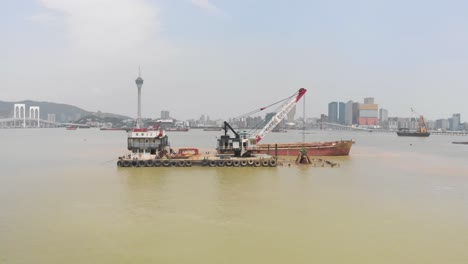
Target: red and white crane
(283,110)
(243,145)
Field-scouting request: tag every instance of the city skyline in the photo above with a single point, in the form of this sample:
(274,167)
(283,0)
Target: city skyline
(350,114)
(205,55)
(165,114)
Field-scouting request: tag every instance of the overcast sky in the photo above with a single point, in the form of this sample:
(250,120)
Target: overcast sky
(224,57)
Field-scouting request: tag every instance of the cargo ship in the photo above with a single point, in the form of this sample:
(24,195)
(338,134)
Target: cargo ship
(332,148)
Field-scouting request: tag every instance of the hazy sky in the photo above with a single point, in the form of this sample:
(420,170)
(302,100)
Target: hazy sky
(224,58)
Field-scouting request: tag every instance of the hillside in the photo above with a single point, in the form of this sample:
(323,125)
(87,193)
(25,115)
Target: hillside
(63,112)
(116,121)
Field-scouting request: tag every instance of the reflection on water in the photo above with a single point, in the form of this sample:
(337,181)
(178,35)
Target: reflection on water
(393,200)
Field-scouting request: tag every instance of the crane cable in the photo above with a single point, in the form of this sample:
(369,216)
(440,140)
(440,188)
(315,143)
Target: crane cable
(263,108)
(264,122)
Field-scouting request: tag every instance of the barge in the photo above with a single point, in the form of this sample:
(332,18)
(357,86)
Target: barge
(420,132)
(332,148)
(151,148)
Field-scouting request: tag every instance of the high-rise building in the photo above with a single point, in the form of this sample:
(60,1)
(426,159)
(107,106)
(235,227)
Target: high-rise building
(165,114)
(368,112)
(454,122)
(336,112)
(369,100)
(383,115)
(341,112)
(442,124)
(355,113)
(349,113)
(139,83)
(383,118)
(333,112)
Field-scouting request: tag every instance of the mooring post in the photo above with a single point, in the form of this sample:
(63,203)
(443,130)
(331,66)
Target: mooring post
(276,151)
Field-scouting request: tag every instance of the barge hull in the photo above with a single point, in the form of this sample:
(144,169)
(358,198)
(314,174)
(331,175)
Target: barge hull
(413,134)
(334,148)
(251,162)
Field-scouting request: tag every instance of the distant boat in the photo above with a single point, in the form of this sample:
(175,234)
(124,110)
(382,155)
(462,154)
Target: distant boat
(420,132)
(279,130)
(405,132)
(114,128)
(179,129)
(71,127)
(460,142)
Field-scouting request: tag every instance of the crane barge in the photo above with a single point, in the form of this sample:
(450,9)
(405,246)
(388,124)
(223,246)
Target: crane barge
(420,132)
(250,145)
(151,148)
(244,144)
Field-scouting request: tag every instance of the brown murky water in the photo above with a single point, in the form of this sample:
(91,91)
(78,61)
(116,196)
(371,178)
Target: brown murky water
(394,200)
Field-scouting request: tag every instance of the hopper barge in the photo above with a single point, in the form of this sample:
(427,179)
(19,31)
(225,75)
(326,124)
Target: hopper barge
(331,148)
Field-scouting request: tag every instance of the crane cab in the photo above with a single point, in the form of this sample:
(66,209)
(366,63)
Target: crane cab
(239,145)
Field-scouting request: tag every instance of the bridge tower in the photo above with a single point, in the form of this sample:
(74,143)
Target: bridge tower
(19,113)
(34,114)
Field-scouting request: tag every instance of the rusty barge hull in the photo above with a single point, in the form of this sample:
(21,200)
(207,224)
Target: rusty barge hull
(333,148)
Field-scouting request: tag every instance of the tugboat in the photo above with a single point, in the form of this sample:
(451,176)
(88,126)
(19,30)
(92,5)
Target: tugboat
(420,132)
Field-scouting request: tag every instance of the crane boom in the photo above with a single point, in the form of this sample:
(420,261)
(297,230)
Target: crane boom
(281,114)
